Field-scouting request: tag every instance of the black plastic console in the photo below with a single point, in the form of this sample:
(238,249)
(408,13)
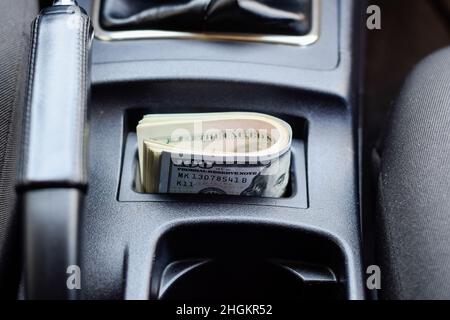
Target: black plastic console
(304,245)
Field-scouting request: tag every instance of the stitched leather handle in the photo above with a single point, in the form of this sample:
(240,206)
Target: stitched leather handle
(53,173)
(54,144)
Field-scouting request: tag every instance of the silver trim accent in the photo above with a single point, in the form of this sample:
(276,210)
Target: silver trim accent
(64,3)
(304,40)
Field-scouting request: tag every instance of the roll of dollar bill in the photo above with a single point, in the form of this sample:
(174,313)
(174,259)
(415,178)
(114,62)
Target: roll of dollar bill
(234,153)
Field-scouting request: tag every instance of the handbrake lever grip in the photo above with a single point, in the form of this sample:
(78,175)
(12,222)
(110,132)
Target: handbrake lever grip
(54,149)
(53,172)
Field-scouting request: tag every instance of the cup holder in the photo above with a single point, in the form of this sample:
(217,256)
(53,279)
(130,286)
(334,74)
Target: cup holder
(226,280)
(227,261)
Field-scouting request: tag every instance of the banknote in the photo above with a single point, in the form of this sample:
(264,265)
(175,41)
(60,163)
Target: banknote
(234,153)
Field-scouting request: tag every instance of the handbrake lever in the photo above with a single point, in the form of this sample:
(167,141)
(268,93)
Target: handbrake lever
(53,173)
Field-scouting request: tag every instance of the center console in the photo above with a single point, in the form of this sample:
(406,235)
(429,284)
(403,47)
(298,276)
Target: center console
(307,244)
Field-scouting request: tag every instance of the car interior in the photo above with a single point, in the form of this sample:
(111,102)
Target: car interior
(364,87)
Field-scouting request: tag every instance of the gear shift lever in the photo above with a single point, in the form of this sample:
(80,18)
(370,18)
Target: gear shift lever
(53,172)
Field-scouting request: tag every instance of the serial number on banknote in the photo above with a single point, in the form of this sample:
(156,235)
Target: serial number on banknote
(207,177)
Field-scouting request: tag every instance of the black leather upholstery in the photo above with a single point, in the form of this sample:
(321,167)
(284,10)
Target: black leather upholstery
(289,17)
(53,144)
(53,173)
(414,187)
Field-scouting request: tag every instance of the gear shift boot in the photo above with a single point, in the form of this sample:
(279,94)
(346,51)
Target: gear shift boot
(270,17)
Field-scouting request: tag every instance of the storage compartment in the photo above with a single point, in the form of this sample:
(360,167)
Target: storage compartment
(224,261)
(130,187)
